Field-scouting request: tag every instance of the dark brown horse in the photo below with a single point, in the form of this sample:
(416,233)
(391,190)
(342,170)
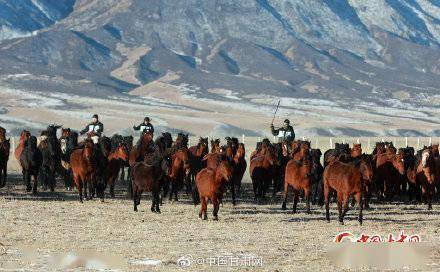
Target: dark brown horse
(84,169)
(31,160)
(5,147)
(116,158)
(147,177)
(356,151)
(426,173)
(298,176)
(211,186)
(347,179)
(260,170)
(389,171)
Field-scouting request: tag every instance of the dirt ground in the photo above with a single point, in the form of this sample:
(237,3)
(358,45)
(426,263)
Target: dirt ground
(53,231)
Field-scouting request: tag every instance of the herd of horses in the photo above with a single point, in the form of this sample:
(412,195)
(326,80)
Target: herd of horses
(208,170)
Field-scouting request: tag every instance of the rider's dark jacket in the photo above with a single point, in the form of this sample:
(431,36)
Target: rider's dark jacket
(284,133)
(97,128)
(144,127)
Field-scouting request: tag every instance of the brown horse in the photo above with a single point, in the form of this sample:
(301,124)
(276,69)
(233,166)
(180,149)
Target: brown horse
(302,150)
(84,169)
(215,146)
(347,179)
(5,147)
(197,153)
(147,177)
(24,137)
(260,170)
(211,186)
(426,173)
(298,176)
(179,171)
(389,171)
(138,153)
(115,160)
(240,166)
(356,151)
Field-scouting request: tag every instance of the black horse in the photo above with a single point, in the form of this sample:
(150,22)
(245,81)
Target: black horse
(50,149)
(31,160)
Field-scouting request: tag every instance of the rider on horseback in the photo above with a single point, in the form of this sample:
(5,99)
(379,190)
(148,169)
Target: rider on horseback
(94,129)
(284,133)
(145,126)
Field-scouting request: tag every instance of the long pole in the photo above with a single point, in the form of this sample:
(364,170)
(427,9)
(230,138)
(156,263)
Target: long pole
(278,105)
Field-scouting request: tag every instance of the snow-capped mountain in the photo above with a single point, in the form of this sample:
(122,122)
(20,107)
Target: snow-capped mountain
(380,52)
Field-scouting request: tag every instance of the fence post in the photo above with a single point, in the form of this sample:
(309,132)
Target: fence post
(418,143)
(368,145)
(259,139)
(317,143)
(13,144)
(357,140)
(406,141)
(430,141)
(242,138)
(331,143)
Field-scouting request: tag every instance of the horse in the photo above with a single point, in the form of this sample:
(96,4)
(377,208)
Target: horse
(180,169)
(68,141)
(340,152)
(181,140)
(260,170)
(51,150)
(118,155)
(389,171)
(298,176)
(347,179)
(31,160)
(116,140)
(426,173)
(197,154)
(138,152)
(147,176)
(211,186)
(5,147)
(84,169)
(24,137)
(240,166)
(215,146)
(316,177)
(356,151)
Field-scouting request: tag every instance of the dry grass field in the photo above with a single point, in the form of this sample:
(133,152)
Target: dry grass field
(53,231)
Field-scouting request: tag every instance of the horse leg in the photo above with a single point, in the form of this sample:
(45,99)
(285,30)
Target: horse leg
(129,184)
(295,200)
(326,200)
(204,208)
(195,194)
(35,184)
(216,205)
(286,191)
(359,200)
(28,180)
(233,191)
(5,174)
(255,188)
(156,198)
(341,218)
(135,199)
(307,199)
(429,194)
(345,200)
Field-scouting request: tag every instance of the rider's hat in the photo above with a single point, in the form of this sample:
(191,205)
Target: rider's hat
(287,121)
(147,119)
(95,116)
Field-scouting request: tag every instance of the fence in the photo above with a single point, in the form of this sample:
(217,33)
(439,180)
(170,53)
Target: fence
(323,143)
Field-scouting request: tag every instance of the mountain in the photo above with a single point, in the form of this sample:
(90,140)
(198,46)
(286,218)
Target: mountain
(378,60)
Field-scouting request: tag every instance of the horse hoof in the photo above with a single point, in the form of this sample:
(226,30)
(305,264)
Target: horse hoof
(283,207)
(341,223)
(215,218)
